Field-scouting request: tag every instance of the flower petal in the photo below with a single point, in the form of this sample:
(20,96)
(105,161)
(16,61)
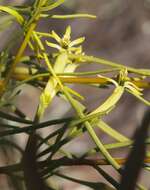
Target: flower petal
(56,46)
(67,34)
(77,42)
(56,37)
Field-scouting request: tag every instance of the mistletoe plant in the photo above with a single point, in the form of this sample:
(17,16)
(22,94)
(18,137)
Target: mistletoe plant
(51,70)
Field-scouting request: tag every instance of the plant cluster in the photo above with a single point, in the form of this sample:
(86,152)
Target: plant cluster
(51,70)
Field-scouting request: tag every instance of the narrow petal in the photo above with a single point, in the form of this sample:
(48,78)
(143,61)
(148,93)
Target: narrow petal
(67,34)
(55,36)
(77,42)
(56,46)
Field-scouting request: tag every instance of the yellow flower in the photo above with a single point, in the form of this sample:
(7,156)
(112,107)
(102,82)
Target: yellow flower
(65,42)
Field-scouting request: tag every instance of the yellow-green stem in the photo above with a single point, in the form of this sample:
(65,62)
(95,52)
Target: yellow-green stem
(90,130)
(18,57)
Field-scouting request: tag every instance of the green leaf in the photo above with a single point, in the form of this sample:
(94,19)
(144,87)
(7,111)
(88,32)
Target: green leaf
(109,104)
(146,102)
(61,62)
(73,16)
(47,96)
(12,12)
(91,59)
(53,6)
(73,92)
(51,87)
(14,118)
(111,132)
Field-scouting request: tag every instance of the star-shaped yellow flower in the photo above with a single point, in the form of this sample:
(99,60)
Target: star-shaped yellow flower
(65,43)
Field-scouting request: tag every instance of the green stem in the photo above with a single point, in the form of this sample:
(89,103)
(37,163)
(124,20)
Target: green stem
(33,127)
(81,115)
(85,58)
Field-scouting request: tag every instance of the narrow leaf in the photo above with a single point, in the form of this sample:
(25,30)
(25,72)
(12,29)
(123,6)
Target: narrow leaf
(73,16)
(53,6)
(136,157)
(12,12)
